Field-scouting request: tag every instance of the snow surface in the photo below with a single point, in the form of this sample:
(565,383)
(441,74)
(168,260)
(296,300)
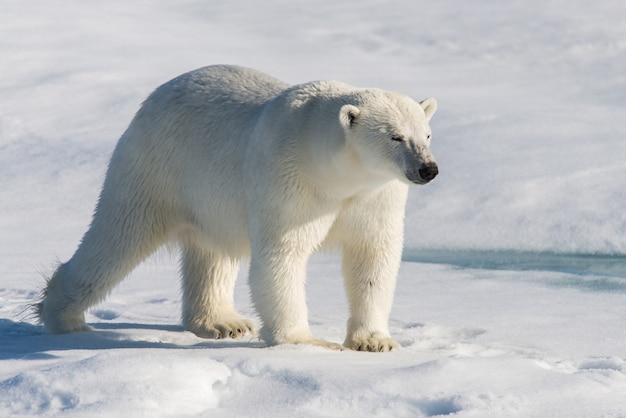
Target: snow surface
(511,301)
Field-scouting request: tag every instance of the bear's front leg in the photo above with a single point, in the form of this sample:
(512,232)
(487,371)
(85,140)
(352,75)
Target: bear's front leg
(370,277)
(370,231)
(277,283)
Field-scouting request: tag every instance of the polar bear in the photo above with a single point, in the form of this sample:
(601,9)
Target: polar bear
(233,164)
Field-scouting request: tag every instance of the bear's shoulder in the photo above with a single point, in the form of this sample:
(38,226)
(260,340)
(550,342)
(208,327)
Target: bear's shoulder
(319,91)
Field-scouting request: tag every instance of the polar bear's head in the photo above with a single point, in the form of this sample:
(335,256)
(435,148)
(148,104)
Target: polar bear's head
(391,134)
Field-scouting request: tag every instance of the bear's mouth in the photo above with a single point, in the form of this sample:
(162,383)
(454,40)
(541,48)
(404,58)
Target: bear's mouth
(418,182)
(414,178)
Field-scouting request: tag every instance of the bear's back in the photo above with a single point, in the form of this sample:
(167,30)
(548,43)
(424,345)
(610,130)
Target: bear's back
(225,85)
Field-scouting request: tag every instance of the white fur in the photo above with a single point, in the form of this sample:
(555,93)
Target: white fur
(232,163)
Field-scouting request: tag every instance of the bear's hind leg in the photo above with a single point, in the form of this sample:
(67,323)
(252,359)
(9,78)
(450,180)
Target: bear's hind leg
(208,291)
(59,310)
(117,240)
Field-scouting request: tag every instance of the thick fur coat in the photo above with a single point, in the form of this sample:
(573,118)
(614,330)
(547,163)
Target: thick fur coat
(230,164)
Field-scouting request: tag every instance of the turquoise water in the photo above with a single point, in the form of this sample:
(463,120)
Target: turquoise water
(594,272)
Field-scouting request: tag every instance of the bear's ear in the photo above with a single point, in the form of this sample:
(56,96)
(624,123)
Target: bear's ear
(429,106)
(348,115)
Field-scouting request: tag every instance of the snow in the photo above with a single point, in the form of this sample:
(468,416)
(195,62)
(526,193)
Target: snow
(511,297)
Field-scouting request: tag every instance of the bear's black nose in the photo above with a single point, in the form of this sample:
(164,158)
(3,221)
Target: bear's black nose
(429,171)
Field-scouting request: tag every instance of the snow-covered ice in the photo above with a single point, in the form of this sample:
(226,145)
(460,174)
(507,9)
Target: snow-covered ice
(511,300)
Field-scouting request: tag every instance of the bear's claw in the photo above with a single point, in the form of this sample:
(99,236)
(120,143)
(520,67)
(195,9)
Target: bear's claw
(373,343)
(227,329)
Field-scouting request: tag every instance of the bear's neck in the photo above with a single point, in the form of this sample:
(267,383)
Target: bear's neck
(336,170)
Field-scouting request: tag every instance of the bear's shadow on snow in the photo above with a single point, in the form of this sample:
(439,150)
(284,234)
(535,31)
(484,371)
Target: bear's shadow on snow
(25,341)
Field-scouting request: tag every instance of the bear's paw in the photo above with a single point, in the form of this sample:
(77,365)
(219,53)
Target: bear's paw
(374,343)
(231,328)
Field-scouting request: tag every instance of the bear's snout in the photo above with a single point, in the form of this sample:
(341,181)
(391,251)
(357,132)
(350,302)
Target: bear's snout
(428,172)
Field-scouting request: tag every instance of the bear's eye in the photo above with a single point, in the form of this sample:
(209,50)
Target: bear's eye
(397,138)
(428,137)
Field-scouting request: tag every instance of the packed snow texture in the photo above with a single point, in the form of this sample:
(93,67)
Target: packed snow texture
(511,299)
